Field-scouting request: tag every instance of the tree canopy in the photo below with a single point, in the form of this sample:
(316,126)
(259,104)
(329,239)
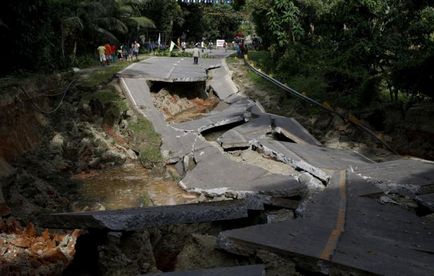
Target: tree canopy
(351,49)
(48,35)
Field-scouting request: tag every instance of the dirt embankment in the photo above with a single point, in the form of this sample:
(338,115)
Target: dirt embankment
(51,129)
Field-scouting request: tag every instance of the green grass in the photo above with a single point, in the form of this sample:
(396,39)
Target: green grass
(262,59)
(101,75)
(145,128)
(147,201)
(149,153)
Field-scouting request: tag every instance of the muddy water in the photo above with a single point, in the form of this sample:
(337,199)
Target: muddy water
(119,188)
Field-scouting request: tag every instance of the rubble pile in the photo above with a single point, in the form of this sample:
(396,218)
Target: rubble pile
(24,251)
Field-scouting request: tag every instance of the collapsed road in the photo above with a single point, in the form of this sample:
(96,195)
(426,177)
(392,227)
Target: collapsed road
(352,214)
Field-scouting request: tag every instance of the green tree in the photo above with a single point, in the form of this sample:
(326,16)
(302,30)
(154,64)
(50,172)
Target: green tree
(46,35)
(349,51)
(167,15)
(220,21)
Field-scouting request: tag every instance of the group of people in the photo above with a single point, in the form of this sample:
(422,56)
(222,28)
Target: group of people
(109,53)
(241,48)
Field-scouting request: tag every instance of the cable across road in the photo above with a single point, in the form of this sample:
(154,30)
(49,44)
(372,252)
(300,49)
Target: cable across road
(349,118)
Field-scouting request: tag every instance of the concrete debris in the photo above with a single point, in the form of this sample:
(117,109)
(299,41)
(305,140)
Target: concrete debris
(313,184)
(232,114)
(315,160)
(221,83)
(277,151)
(262,124)
(386,199)
(240,136)
(291,129)
(216,173)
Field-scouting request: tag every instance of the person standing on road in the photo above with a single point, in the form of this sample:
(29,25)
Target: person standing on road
(136,47)
(101,52)
(196,54)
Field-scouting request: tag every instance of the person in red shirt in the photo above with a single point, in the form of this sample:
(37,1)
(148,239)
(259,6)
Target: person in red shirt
(108,52)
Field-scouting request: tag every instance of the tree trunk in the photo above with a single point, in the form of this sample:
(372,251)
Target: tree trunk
(62,40)
(74,52)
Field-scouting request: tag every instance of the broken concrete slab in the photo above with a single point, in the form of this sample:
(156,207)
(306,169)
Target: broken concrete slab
(278,151)
(247,270)
(240,136)
(328,158)
(259,126)
(407,176)
(142,218)
(291,129)
(288,127)
(234,98)
(217,175)
(347,229)
(221,83)
(232,114)
(315,160)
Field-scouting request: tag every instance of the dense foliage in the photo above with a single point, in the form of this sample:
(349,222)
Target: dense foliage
(350,51)
(48,35)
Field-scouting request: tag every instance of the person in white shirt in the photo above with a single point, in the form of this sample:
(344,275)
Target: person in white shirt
(196,54)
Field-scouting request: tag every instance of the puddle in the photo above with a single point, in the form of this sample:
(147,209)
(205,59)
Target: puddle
(119,188)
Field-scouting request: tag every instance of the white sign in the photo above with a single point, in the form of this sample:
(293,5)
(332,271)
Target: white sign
(220,43)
